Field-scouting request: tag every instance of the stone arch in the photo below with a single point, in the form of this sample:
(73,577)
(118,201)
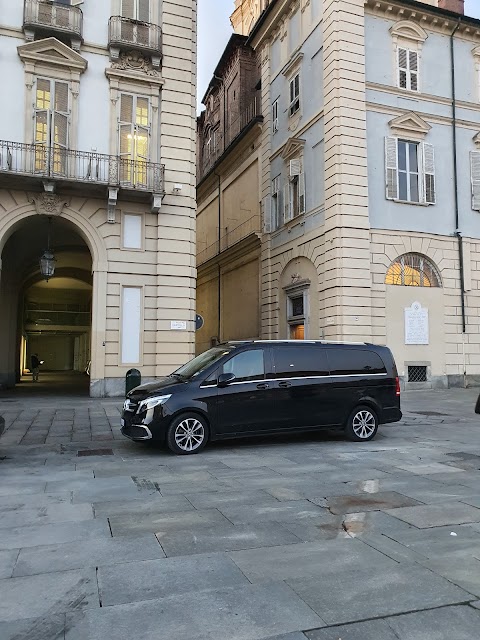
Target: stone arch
(413,269)
(298,275)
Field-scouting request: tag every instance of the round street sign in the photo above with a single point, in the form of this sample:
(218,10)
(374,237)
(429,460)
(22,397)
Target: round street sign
(199,322)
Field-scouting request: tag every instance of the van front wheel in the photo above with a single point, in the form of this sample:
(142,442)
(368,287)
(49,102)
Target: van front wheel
(362,425)
(187,434)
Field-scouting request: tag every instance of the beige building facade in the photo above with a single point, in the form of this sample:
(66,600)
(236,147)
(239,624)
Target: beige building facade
(97,166)
(369,209)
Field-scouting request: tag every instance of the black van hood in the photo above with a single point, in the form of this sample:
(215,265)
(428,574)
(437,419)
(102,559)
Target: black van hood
(161,385)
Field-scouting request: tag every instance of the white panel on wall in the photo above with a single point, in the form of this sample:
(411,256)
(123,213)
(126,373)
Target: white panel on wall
(132,231)
(131,324)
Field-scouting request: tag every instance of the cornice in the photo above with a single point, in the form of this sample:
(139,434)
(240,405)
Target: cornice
(421,97)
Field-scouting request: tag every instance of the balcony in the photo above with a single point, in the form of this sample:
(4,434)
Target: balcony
(126,34)
(214,149)
(53,19)
(67,166)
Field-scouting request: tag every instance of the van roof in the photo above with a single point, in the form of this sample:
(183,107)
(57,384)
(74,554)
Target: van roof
(296,342)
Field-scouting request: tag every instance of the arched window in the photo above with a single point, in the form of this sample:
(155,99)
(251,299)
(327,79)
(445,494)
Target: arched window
(413,270)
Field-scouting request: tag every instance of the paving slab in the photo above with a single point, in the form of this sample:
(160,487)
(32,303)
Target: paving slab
(153,579)
(47,594)
(307,559)
(97,553)
(132,524)
(369,502)
(224,537)
(151,504)
(377,592)
(437,515)
(219,499)
(58,533)
(8,559)
(369,630)
(43,628)
(253,612)
(464,572)
(278,512)
(438,542)
(48,514)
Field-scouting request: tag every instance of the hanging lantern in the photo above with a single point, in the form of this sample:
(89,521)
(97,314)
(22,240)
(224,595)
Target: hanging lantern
(47,260)
(47,264)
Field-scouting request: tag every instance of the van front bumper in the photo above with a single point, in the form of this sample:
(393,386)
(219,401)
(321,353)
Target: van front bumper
(136,432)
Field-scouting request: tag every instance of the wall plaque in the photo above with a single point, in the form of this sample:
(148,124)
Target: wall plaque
(416,324)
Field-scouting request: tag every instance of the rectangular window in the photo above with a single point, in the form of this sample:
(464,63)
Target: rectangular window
(417,373)
(136,10)
(296,315)
(131,325)
(134,138)
(294,95)
(132,231)
(300,361)
(407,69)
(296,191)
(247,366)
(408,171)
(344,362)
(275,116)
(51,127)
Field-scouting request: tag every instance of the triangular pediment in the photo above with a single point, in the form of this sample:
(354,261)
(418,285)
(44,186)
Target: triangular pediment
(410,123)
(476,139)
(52,51)
(293,147)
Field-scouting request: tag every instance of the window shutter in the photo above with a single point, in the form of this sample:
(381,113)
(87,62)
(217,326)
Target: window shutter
(143,10)
(428,155)
(301,193)
(402,68)
(475,163)
(295,168)
(60,118)
(391,168)
(413,68)
(287,203)
(128,9)
(267,214)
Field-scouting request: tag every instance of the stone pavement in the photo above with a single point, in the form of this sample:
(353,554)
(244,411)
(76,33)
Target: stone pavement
(293,538)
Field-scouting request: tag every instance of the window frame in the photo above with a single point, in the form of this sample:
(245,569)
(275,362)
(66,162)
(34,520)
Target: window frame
(408,171)
(254,379)
(294,98)
(276,204)
(302,319)
(275,107)
(409,73)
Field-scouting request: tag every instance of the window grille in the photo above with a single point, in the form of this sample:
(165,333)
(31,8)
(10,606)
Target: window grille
(417,373)
(413,270)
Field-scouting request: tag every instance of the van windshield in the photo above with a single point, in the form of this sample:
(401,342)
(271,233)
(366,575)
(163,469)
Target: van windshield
(201,362)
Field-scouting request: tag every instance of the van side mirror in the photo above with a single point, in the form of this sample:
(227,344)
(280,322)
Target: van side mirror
(224,379)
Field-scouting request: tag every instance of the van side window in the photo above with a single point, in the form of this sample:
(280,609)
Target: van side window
(344,362)
(246,366)
(300,361)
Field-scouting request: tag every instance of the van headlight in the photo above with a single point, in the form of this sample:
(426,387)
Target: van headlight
(150,403)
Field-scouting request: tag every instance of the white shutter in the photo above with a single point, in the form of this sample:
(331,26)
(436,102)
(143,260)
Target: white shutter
(475,164)
(301,193)
(287,203)
(295,168)
(428,157)
(402,68)
(391,168)
(143,11)
(413,70)
(128,9)
(267,214)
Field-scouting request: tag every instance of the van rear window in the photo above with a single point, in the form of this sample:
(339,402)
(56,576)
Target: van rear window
(344,362)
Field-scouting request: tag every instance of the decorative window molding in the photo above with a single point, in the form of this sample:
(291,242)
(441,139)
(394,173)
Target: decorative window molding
(133,234)
(50,58)
(293,148)
(410,171)
(411,125)
(293,65)
(476,56)
(407,30)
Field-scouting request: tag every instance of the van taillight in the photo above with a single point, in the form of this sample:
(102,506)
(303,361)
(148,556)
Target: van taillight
(397,386)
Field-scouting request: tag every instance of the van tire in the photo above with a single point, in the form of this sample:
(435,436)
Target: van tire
(185,432)
(362,424)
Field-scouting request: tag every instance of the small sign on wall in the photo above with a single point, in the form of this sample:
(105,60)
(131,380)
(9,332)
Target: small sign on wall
(416,324)
(178,325)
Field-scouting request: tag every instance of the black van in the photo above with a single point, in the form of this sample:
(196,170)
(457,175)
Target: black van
(267,387)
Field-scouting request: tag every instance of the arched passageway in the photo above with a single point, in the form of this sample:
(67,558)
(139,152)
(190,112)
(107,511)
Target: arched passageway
(50,318)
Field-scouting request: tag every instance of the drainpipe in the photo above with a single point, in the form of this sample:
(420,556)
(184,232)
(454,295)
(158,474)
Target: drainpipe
(458,232)
(219,296)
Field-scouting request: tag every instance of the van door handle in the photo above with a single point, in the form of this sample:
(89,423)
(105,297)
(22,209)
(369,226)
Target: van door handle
(284,384)
(263,385)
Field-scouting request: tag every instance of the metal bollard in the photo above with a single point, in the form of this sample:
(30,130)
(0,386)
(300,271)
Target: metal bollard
(132,379)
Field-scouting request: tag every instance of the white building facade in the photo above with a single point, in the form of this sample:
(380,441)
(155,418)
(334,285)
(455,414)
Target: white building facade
(97,160)
(371,177)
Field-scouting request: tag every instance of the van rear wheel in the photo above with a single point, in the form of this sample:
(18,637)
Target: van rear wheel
(187,434)
(362,425)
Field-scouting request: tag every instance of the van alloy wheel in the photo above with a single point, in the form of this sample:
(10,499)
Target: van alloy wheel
(189,434)
(364,424)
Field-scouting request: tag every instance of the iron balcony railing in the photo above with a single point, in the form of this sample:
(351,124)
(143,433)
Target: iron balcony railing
(57,163)
(135,34)
(217,144)
(53,15)
(230,237)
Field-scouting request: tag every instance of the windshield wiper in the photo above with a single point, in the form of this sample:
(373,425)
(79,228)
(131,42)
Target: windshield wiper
(177,375)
